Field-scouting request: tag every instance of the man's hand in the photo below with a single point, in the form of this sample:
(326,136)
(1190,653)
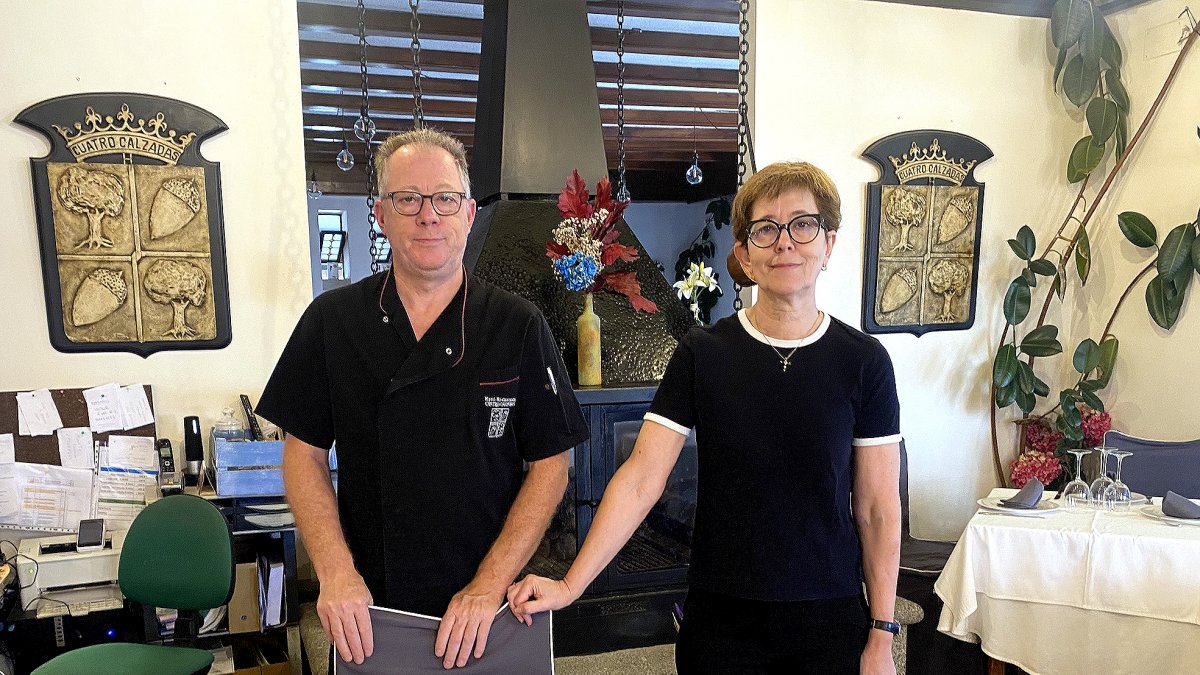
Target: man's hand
(466,624)
(342,606)
(535,594)
(877,657)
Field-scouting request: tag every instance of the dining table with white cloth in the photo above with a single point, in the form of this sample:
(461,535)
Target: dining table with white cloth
(1067,592)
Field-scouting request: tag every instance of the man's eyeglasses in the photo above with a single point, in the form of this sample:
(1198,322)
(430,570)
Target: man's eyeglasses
(802,229)
(409,203)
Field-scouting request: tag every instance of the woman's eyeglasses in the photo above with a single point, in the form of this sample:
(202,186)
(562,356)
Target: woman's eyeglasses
(802,229)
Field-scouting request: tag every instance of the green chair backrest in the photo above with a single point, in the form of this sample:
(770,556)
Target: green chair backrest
(178,554)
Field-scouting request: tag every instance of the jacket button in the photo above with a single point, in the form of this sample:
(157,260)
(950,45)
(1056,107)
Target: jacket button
(449,351)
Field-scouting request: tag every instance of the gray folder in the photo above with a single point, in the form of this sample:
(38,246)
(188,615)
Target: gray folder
(404,644)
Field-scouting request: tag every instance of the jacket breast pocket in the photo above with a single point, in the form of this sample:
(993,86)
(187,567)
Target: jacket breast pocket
(496,403)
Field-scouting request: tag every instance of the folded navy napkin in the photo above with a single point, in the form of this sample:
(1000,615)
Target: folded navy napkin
(1178,506)
(1028,497)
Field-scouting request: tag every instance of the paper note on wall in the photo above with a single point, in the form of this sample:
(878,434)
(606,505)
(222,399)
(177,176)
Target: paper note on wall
(135,407)
(39,412)
(75,449)
(52,496)
(130,452)
(8,493)
(104,408)
(121,494)
(8,449)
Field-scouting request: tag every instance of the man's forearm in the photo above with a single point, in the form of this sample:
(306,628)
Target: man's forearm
(309,490)
(525,525)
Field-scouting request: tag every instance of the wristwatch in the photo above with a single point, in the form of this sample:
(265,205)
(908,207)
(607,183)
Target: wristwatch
(890,626)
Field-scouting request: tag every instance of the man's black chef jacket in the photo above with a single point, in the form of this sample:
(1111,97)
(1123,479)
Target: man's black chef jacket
(431,434)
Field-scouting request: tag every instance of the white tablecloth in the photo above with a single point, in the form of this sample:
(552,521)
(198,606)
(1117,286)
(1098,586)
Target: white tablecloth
(1077,592)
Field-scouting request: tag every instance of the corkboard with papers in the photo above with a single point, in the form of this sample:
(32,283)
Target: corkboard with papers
(56,444)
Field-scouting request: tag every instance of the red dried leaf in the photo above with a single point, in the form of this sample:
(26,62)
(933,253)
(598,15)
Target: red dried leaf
(615,252)
(573,200)
(625,282)
(555,250)
(604,198)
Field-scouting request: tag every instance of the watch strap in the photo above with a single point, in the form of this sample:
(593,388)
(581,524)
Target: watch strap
(889,626)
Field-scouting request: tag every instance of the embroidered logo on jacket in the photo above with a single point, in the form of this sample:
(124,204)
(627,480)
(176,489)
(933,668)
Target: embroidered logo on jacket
(500,406)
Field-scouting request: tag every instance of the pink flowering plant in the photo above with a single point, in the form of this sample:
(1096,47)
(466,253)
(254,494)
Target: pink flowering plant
(1045,449)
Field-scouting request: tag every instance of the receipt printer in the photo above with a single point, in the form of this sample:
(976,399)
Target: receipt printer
(52,567)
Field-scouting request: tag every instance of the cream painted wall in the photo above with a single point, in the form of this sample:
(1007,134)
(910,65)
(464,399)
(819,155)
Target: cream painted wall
(832,76)
(237,59)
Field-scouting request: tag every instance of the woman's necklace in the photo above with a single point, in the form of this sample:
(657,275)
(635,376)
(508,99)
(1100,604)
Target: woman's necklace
(784,359)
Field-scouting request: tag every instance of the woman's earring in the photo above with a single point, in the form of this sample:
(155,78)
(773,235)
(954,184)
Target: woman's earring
(824,267)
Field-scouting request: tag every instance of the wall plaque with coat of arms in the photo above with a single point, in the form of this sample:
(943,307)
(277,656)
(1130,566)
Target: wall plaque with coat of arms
(924,218)
(130,226)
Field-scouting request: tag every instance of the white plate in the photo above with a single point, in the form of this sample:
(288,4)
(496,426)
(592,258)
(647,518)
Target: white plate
(1155,511)
(993,504)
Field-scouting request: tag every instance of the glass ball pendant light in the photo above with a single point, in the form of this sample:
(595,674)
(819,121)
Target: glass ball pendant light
(694,175)
(345,160)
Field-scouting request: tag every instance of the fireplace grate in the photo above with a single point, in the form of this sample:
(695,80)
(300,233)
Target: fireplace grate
(650,551)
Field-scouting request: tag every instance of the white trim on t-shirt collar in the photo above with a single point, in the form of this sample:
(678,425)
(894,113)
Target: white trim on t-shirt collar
(754,333)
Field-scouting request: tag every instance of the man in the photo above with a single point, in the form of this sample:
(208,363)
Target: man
(436,386)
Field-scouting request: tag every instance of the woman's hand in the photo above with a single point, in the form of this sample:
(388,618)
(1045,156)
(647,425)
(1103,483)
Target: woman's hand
(535,594)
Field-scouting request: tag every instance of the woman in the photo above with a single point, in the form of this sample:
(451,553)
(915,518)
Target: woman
(797,428)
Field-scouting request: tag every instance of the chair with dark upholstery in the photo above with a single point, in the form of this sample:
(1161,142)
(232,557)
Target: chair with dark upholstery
(1158,466)
(177,554)
(920,557)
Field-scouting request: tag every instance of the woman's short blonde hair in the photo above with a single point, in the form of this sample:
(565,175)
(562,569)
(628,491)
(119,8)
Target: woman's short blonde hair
(782,177)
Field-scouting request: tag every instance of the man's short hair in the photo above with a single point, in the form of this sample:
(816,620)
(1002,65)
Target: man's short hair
(779,178)
(425,136)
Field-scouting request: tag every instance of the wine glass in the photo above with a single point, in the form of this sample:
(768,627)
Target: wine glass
(1102,481)
(1077,494)
(1117,495)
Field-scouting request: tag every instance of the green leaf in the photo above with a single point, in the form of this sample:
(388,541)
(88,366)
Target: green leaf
(1116,90)
(1057,286)
(1159,305)
(1026,401)
(1040,388)
(1108,359)
(1042,267)
(1067,21)
(1092,400)
(1110,51)
(1137,229)
(720,210)
(1006,395)
(1087,356)
(1016,302)
(1027,241)
(1004,370)
(1089,385)
(1083,255)
(1122,134)
(1080,79)
(1091,39)
(1085,157)
(1058,66)
(1017,248)
(1025,377)
(1042,341)
(1196,254)
(1102,117)
(1176,250)
(1029,277)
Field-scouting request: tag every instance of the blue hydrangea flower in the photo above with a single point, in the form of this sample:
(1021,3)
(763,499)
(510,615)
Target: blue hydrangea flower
(577,271)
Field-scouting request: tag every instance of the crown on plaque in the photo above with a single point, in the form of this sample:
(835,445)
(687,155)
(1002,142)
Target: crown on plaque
(124,134)
(920,163)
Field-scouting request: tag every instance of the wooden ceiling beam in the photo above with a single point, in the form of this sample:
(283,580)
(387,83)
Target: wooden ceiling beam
(350,81)
(394,57)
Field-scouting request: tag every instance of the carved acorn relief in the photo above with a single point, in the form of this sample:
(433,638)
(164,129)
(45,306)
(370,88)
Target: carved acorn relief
(900,288)
(175,204)
(101,293)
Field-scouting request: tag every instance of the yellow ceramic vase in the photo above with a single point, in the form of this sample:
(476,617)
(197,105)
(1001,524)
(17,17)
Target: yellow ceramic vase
(588,328)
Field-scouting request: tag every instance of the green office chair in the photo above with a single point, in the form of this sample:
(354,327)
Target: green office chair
(178,554)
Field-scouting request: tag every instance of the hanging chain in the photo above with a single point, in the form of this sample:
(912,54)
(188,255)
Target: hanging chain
(414,27)
(365,111)
(744,147)
(622,188)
